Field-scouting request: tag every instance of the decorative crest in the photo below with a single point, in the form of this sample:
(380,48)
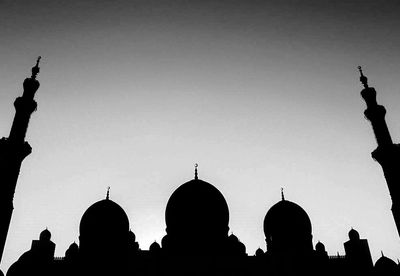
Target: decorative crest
(108,193)
(196,176)
(363,79)
(36,69)
(282,194)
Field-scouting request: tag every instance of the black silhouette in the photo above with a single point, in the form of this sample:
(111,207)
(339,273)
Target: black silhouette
(197,218)
(387,154)
(13,151)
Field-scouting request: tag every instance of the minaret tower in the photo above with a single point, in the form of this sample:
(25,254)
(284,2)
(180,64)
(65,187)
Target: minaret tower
(386,154)
(13,150)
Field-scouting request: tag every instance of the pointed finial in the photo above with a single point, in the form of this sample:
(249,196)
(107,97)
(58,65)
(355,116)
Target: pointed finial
(36,69)
(108,193)
(363,79)
(282,194)
(195,171)
(382,253)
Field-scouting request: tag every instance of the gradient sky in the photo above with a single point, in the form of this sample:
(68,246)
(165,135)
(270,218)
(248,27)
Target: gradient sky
(262,94)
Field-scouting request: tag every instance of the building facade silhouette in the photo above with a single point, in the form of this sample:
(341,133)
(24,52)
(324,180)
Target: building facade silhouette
(197,240)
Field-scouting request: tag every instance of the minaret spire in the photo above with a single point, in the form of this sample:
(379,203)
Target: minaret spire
(108,193)
(196,176)
(13,151)
(363,79)
(36,69)
(375,113)
(282,195)
(386,154)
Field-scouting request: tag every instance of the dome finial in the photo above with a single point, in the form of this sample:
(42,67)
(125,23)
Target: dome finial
(36,69)
(108,193)
(363,79)
(282,194)
(195,171)
(382,253)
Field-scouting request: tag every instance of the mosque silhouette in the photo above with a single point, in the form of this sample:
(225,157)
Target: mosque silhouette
(197,240)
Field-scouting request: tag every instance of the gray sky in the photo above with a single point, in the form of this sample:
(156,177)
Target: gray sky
(261,95)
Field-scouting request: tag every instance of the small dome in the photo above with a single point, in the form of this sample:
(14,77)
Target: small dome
(233,239)
(73,246)
(155,247)
(72,251)
(131,236)
(104,217)
(385,265)
(259,252)
(165,242)
(286,218)
(353,235)
(45,235)
(197,206)
(320,247)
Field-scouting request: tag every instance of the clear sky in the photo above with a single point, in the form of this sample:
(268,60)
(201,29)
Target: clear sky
(262,94)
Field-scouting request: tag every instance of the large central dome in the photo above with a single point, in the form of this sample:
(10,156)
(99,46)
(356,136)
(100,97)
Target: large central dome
(287,225)
(104,233)
(286,216)
(104,217)
(197,207)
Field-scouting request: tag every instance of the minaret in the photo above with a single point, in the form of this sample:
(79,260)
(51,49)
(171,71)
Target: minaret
(13,150)
(386,154)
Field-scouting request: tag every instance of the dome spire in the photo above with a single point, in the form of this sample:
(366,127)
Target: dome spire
(196,176)
(108,193)
(36,69)
(282,195)
(363,79)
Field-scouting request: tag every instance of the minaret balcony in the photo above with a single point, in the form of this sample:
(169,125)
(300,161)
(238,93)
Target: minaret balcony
(375,113)
(24,104)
